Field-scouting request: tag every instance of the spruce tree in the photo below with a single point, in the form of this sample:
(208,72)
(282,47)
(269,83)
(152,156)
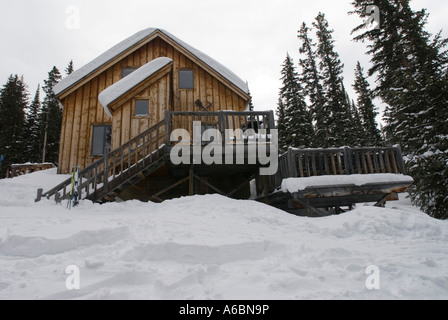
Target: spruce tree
(358,136)
(312,85)
(411,76)
(367,109)
(282,125)
(331,69)
(13,104)
(70,68)
(298,123)
(32,131)
(51,118)
(251,104)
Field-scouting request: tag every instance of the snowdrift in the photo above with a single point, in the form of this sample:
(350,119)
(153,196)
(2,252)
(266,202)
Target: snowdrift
(211,247)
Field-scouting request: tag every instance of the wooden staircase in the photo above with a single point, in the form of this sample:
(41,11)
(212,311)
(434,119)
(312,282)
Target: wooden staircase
(141,156)
(118,169)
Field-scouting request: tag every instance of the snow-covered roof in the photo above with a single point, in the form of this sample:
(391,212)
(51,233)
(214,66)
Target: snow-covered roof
(128,43)
(127,83)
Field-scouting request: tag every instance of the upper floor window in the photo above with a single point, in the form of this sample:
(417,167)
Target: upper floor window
(141,107)
(127,71)
(186,80)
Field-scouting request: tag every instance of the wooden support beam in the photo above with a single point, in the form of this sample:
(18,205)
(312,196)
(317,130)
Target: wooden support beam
(310,209)
(388,197)
(266,189)
(172,186)
(156,199)
(208,184)
(191,181)
(240,186)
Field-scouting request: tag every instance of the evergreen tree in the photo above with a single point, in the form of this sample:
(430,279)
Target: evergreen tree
(251,104)
(32,131)
(299,128)
(411,77)
(13,104)
(51,118)
(282,125)
(312,84)
(70,68)
(331,68)
(366,108)
(358,134)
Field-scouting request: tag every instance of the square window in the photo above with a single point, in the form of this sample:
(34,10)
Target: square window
(186,80)
(127,71)
(101,139)
(141,107)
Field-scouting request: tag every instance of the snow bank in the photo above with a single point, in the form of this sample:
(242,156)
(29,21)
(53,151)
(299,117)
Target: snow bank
(211,247)
(298,184)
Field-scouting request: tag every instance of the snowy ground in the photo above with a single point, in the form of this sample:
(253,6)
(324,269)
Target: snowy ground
(210,247)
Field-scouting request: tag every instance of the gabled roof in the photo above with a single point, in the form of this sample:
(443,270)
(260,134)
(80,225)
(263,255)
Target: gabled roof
(125,45)
(119,88)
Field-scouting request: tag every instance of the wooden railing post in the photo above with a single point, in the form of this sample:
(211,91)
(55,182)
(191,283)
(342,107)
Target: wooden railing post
(222,124)
(39,194)
(106,168)
(292,165)
(167,127)
(399,159)
(348,160)
(271,121)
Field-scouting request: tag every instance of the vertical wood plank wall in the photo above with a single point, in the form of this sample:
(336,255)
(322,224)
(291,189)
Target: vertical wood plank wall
(82,109)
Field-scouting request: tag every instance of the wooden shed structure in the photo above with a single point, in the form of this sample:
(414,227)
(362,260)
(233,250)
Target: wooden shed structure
(138,80)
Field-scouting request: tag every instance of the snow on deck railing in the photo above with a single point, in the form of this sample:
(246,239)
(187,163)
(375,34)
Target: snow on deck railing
(298,184)
(301,163)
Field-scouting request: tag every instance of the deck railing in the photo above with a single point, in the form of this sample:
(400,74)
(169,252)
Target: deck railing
(124,163)
(339,161)
(221,121)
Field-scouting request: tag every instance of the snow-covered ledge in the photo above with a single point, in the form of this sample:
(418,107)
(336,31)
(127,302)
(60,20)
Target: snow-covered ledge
(298,184)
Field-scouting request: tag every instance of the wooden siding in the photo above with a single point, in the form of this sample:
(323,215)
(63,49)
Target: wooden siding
(126,125)
(82,109)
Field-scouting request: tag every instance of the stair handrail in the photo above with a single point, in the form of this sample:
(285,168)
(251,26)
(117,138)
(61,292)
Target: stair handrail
(102,161)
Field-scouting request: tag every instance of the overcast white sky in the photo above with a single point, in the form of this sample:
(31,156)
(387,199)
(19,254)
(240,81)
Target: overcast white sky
(250,37)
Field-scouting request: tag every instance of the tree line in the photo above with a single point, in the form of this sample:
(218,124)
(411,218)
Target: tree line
(410,67)
(314,109)
(30,129)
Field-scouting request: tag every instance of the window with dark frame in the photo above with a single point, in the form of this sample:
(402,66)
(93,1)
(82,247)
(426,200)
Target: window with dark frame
(101,139)
(141,107)
(186,79)
(127,71)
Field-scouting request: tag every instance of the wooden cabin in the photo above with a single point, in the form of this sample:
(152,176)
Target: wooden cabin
(121,109)
(139,79)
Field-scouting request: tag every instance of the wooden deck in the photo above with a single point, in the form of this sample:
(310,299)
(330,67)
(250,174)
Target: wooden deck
(142,167)
(330,198)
